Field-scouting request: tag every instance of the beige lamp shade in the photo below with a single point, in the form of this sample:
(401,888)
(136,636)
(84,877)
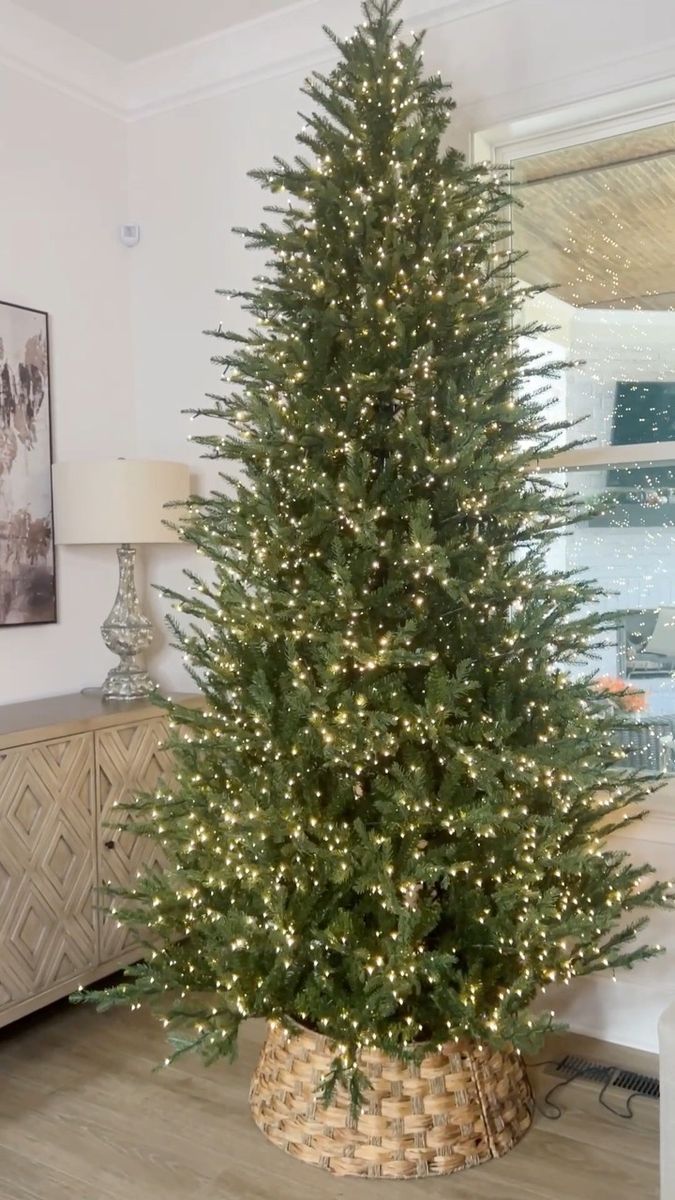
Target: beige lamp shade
(117,501)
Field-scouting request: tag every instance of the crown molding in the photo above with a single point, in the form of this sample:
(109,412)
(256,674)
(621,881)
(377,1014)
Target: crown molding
(291,41)
(49,55)
(286,42)
(607,107)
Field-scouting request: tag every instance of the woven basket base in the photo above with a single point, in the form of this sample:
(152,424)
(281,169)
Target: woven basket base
(452,1110)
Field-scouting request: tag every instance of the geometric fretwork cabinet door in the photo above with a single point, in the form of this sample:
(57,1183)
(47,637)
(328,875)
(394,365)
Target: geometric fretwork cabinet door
(129,759)
(47,866)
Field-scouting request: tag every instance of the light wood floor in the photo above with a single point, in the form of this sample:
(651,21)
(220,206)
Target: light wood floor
(83,1117)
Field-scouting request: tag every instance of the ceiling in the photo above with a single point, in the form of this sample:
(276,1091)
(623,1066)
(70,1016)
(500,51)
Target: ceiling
(133,29)
(598,220)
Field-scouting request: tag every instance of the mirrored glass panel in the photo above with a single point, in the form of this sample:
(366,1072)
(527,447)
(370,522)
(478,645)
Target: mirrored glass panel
(598,223)
(632,558)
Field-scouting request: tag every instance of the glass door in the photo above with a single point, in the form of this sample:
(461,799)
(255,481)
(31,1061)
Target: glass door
(598,223)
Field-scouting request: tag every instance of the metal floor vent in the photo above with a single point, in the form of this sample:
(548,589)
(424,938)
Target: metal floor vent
(574,1066)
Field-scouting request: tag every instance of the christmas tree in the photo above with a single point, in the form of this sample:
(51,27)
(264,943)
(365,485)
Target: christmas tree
(389,820)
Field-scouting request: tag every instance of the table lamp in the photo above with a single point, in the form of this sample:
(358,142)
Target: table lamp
(120,502)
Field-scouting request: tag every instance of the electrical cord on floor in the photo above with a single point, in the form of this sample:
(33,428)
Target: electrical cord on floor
(611,1072)
(628,1115)
(557,1112)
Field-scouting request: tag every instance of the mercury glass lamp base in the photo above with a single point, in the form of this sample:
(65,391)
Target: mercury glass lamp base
(127,683)
(127,631)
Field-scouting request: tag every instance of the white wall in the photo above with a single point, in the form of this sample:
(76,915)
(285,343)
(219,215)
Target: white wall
(62,189)
(533,55)
(189,186)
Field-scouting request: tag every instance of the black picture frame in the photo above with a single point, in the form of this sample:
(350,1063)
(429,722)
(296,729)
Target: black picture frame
(27,557)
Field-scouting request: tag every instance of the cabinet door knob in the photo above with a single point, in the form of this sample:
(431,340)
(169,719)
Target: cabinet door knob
(109,845)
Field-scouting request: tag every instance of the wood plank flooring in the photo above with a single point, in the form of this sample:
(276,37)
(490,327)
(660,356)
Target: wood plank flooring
(83,1116)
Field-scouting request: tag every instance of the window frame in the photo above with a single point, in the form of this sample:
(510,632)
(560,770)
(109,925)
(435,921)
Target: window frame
(625,111)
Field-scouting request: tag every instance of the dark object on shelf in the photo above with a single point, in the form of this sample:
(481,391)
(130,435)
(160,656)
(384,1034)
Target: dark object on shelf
(646,643)
(643,412)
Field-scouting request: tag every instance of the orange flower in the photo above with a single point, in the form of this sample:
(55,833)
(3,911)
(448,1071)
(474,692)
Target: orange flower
(627,698)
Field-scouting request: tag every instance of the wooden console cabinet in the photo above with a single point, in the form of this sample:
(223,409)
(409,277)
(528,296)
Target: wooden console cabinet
(64,762)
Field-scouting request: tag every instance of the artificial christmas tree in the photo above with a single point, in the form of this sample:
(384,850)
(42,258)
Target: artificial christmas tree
(388,824)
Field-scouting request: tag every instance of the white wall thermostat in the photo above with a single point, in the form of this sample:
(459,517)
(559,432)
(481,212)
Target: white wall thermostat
(130,235)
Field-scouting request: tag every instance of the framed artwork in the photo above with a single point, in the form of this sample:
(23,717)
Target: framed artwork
(27,573)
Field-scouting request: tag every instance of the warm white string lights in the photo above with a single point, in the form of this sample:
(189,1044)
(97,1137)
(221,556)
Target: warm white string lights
(386,823)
